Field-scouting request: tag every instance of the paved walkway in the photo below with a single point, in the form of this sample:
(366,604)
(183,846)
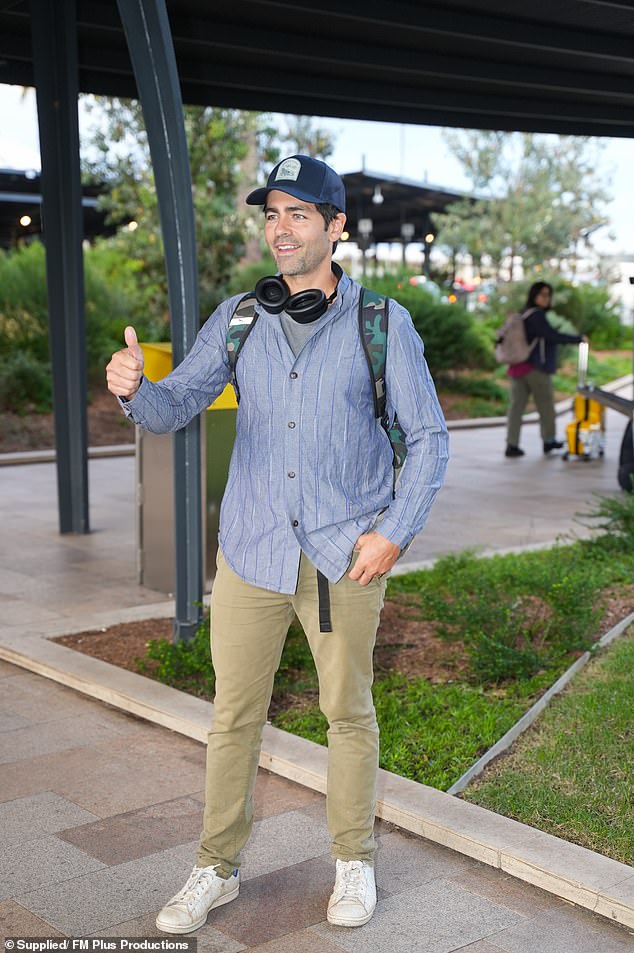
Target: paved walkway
(99,811)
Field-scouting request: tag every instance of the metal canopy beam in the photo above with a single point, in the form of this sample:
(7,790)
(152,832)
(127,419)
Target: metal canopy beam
(566,66)
(151,50)
(55,61)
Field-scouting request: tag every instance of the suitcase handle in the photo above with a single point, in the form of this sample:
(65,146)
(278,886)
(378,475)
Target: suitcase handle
(582,365)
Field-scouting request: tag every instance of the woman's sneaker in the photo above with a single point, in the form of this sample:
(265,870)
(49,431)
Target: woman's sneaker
(552,445)
(188,909)
(353,899)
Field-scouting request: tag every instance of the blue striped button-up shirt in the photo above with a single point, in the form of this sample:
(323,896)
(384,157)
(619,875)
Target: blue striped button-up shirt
(311,467)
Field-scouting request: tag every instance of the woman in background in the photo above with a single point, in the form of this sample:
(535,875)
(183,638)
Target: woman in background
(534,376)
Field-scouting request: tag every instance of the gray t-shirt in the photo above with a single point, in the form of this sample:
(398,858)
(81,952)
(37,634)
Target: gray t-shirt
(296,334)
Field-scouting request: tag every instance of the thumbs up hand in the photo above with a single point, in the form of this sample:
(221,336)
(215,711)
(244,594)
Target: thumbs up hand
(125,370)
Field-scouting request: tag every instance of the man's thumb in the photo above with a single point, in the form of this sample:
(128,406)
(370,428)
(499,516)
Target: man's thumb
(130,337)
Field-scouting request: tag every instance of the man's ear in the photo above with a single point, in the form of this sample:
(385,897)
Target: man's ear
(336,227)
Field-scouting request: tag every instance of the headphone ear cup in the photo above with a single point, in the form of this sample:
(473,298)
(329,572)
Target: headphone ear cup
(272,293)
(306,306)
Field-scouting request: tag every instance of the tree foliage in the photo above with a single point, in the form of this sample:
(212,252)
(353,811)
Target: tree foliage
(228,150)
(118,154)
(538,197)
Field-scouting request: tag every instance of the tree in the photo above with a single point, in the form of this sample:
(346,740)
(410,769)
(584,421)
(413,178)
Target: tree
(538,197)
(117,153)
(228,150)
(303,138)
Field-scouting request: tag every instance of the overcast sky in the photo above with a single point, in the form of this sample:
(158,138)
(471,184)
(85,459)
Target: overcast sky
(416,152)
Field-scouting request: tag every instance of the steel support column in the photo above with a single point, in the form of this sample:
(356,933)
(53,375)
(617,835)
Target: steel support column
(56,79)
(151,49)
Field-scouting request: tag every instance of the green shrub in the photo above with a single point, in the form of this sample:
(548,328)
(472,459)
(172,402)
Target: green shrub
(112,300)
(25,384)
(185,665)
(450,333)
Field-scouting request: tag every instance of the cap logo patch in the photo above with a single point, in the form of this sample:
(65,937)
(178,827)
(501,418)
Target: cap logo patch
(289,169)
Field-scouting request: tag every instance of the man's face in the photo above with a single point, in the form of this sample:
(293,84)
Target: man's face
(297,235)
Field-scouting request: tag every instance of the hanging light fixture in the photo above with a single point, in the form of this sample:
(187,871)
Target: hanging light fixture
(377,198)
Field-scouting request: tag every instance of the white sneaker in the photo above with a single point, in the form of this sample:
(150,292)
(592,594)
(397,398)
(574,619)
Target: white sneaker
(353,899)
(204,890)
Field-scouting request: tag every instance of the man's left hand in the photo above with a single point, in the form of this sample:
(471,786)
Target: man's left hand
(377,555)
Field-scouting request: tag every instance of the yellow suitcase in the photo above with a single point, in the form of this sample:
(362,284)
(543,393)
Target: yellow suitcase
(585,435)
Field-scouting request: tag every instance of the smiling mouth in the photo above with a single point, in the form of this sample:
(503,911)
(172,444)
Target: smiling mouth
(285,249)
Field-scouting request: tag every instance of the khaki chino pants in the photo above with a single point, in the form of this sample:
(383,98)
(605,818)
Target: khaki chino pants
(248,629)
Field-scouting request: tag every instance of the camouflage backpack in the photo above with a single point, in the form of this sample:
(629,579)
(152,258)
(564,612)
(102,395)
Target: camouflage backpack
(373,326)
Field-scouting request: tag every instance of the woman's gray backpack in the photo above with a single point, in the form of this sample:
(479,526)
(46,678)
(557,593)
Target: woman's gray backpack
(511,346)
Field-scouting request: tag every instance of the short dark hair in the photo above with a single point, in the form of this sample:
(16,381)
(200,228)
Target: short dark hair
(329,213)
(534,290)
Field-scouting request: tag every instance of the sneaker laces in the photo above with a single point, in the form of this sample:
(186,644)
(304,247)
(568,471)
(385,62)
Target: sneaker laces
(197,884)
(351,881)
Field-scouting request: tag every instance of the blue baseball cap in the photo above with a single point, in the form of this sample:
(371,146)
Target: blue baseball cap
(306,178)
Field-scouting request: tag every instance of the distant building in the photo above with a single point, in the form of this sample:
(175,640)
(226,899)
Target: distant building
(21,212)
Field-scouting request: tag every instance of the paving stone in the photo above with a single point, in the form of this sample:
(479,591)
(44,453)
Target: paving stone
(160,748)
(27,818)
(282,841)
(209,940)
(40,699)
(564,931)
(60,772)
(437,917)
(58,735)
(118,788)
(116,840)
(107,897)
(501,888)
(9,721)
(298,895)
(303,941)
(274,795)
(16,921)
(404,861)
(212,941)
(481,946)
(21,612)
(39,863)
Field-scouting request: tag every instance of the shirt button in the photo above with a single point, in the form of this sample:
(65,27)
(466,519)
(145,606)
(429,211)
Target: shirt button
(295,522)
(291,424)
(291,474)
(293,375)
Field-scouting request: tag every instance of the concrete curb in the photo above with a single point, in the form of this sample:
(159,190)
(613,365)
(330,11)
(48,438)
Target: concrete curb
(529,717)
(574,873)
(50,456)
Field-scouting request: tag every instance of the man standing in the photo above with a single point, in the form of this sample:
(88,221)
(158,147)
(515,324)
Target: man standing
(310,523)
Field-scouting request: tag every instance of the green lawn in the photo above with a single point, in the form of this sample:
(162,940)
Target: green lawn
(571,774)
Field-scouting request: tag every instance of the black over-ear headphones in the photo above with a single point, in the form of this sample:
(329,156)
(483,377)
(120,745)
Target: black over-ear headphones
(273,294)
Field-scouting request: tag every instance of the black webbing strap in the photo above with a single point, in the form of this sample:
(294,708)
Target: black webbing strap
(323,593)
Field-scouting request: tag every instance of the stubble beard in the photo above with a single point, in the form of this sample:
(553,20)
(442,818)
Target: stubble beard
(305,262)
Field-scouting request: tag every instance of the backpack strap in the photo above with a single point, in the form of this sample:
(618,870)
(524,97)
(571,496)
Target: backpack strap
(373,328)
(242,321)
